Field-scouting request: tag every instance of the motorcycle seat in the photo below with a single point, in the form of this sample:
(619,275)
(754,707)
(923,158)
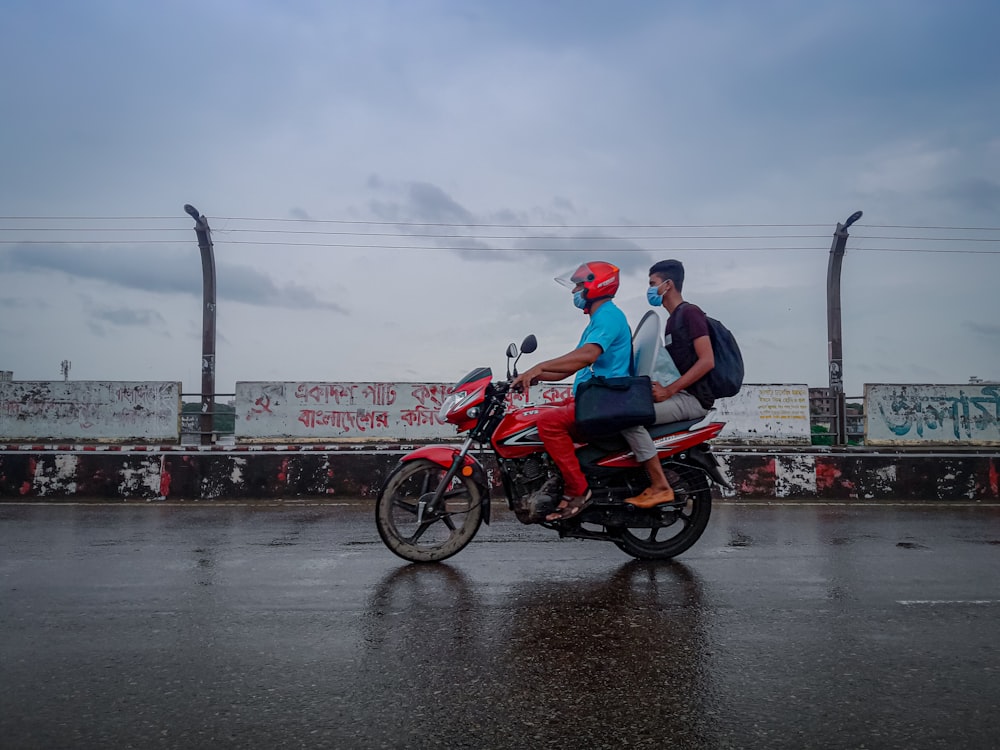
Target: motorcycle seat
(659,430)
(615,441)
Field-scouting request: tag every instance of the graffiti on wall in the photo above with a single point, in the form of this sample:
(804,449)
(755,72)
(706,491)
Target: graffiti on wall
(325,411)
(89,410)
(932,414)
(309,411)
(765,414)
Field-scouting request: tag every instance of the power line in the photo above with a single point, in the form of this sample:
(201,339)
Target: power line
(428,235)
(473,249)
(493,225)
(434,235)
(92,242)
(360,237)
(91,218)
(108,229)
(601,249)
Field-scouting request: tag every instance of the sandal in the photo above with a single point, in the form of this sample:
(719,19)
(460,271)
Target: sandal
(570,507)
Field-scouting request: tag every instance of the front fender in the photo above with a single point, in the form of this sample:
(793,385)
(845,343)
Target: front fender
(443,456)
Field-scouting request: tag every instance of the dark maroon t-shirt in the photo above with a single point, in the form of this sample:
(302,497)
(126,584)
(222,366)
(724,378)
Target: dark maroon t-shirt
(687,323)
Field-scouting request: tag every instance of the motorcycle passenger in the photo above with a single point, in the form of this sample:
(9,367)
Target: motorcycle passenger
(605,349)
(688,397)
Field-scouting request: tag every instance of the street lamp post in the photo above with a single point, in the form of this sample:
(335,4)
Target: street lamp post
(204,233)
(835,348)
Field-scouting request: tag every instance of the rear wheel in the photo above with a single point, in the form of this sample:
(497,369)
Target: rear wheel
(437,535)
(683,524)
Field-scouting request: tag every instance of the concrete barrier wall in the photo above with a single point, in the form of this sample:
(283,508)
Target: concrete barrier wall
(765,415)
(39,473)
(761,414)
(90,410)
(322,412)
(932,414)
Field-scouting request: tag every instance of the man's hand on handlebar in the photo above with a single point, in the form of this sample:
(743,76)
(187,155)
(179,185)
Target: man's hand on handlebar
(521,382)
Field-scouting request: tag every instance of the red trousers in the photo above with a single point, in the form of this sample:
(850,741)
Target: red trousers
(557,429)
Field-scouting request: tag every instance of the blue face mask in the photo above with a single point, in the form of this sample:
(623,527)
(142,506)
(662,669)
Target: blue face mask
(579,300)
(656,300)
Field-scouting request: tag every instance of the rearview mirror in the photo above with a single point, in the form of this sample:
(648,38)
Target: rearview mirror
(529,344)
(511,351)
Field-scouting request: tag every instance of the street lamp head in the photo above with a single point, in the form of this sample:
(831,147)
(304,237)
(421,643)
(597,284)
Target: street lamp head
(852,218)
(193,212)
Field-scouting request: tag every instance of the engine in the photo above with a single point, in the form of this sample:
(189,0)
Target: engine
(524,479)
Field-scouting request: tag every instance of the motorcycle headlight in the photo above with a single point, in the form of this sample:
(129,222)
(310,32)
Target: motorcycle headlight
(450,403)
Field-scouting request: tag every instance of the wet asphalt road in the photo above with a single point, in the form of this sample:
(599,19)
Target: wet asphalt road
(785,627)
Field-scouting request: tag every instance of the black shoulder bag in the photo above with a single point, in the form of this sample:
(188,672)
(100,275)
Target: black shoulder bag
(608,405)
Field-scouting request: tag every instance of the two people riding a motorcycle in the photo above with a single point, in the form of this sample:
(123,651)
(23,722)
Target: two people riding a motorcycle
(605,349)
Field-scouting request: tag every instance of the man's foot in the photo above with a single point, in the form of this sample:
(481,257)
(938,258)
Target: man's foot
(650,498)
(570,507)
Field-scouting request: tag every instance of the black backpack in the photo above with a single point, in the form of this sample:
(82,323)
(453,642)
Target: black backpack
(726,378)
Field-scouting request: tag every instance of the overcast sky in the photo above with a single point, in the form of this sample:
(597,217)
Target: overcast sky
(332,145)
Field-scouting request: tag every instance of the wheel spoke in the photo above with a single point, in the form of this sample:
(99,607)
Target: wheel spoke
(399,502)
(420,532)
(425,485)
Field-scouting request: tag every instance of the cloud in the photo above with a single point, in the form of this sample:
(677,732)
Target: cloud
(98,317)
(244,284)
(974,194)
(416,202)
(169,273)
(985,330)
(503,234)
(124,316)
(126,268)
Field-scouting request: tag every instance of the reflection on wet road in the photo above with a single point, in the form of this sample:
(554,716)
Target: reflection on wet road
(786,626)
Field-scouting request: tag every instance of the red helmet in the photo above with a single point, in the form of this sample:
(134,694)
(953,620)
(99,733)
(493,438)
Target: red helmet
(599,279)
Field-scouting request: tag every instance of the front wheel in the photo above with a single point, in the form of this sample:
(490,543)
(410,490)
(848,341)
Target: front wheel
(438,534)
(686,523)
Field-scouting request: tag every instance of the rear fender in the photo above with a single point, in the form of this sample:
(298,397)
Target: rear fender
(702,457)
(667,444)
(443,456)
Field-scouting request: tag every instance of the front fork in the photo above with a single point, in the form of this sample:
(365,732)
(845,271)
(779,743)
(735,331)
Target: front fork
(453,462)
(435,502)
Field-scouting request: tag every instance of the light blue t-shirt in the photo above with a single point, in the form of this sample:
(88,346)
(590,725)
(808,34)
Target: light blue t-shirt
(608,328)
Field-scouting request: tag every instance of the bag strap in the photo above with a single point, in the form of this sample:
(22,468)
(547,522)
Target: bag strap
(677,310)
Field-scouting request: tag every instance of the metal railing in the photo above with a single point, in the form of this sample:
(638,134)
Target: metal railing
(824,420)
(223,420)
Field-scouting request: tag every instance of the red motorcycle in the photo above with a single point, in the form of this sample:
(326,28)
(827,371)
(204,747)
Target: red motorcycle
(435,499)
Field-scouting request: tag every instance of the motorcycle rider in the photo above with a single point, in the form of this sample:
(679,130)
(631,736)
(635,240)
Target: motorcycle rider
(605,349)
(688,397)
